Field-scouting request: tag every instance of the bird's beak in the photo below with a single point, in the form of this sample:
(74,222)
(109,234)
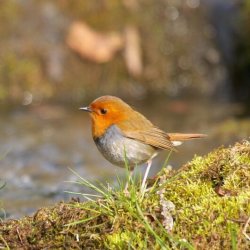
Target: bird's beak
(87,109)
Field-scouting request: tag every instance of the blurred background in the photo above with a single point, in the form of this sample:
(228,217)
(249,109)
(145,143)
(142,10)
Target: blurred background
(185,64)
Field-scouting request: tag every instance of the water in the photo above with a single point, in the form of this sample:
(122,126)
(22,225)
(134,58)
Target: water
(40,143)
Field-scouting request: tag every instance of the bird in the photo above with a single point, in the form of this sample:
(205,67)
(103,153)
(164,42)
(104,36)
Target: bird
(125,137)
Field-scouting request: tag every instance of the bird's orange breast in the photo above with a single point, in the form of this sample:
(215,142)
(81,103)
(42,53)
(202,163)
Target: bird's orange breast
(100,124)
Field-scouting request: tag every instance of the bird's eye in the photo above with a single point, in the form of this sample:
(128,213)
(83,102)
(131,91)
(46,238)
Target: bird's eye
(103,111)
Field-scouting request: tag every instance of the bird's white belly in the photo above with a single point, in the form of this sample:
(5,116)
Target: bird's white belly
(116,148)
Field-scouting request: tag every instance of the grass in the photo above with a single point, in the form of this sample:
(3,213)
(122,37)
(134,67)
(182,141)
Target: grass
(3,216)
(2,185)
(2,211)
(129,201)
(204,205)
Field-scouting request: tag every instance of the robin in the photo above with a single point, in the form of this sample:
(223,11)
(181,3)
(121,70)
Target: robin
(125,136)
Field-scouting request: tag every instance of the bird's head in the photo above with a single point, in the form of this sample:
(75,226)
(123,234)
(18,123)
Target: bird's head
(106,111)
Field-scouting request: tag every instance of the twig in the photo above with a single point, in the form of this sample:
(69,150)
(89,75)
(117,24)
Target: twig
(19,236)
(245,229)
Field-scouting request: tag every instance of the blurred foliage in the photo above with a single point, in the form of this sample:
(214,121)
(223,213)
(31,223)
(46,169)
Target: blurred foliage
(241,65)
(244,42)
(246,21)
(179,53)
(108,14)
(24,74)
(8,14)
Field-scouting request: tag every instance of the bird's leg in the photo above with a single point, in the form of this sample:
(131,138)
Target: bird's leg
(143,185)
(126,192)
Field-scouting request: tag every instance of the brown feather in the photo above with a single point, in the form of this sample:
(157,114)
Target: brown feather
(150,134)
(184,137)
(151,137)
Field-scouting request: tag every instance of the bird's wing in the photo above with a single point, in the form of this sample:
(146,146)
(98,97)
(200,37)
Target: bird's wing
(154,137)
(143,130)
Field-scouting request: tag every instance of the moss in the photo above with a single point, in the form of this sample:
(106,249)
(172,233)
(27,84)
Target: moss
(210,195)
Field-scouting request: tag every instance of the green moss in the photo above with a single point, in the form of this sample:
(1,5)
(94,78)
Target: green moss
(210,194)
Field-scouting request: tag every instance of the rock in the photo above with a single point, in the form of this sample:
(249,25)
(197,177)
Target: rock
(92,45)
(132,51)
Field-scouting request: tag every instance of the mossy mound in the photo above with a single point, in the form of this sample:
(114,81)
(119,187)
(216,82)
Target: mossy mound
(211,196)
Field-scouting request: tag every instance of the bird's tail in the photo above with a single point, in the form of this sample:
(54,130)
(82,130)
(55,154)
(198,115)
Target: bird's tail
(177,138)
